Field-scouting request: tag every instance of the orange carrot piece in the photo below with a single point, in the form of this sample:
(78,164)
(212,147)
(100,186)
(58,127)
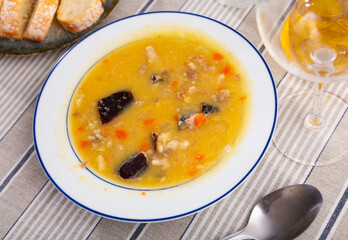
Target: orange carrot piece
(176,117)
(143,193)
(121,134)
(199,156)
(219,88)
(84,144)
(243,98)
(144,147)
(217,56)
(150,123)
(80,128)
(106,61)
(226,70)
(174,84)
(199,119)
(192,172)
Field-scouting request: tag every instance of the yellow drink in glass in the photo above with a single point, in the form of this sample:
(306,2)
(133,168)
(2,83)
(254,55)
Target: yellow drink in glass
(315,36)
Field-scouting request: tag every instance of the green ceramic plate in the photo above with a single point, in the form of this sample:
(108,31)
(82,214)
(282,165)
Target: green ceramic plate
(57,37)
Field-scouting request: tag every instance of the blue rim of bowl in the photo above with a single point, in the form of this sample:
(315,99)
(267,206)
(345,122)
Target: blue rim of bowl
(179,215)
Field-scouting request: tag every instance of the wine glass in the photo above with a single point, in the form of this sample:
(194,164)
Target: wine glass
(309,39)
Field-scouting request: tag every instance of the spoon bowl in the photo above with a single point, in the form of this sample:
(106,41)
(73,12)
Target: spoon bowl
(283,214)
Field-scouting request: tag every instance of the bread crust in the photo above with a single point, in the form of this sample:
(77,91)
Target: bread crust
(9,20)
(1,3)
(82,22)
(41,19)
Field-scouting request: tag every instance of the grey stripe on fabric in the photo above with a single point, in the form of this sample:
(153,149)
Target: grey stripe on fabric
(14,123)
(262,48)
(17,168)
(186,1)
(328,141)
(25,210)
(89,234)
(188,225)
(138,231)
(146,6)
(19,87)
(335,215)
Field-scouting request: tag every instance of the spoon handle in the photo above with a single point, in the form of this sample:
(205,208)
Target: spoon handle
(240,235)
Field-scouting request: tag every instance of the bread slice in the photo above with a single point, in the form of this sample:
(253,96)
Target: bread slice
(41,20)
(1,3)
(14,17)
(0,6)
(77,15)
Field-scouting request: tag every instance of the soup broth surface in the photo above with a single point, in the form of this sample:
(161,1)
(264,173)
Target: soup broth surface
(188,108)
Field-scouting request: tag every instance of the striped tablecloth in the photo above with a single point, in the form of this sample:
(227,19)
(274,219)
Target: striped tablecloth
(32,208)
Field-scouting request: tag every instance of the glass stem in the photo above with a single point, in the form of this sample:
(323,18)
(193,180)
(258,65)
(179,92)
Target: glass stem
(315,119)
(323,58)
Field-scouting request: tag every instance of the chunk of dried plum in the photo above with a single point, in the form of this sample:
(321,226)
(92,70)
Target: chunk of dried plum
(206,108)
(156,78)
(133,166)
(182,125)
(111,106)
(154,140)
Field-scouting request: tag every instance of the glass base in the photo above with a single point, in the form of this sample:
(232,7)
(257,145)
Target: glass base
(314,124)
(308,144)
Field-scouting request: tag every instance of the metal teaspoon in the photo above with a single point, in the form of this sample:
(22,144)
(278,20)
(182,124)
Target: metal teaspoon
(283,214)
